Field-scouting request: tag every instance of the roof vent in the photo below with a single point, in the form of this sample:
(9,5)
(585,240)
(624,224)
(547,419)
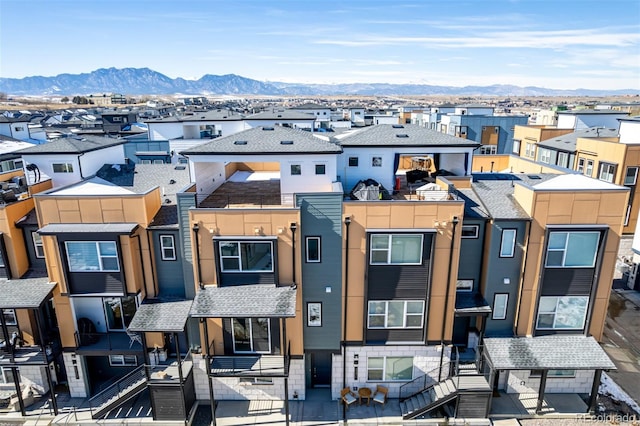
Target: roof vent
(534,177)
(397,126)
(402,135)
(286,142)
(172,181)
(240,142)
(267,128)
(279,115)
(180,167)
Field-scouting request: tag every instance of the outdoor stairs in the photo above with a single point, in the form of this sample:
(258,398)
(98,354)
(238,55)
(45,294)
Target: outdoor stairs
(468,369)
(429,399)
(117,394)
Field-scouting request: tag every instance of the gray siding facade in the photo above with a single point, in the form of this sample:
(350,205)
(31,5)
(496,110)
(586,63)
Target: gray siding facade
(168,273)
(471,250)
(186,201)
(321,216)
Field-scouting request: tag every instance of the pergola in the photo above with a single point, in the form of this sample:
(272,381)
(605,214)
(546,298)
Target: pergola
(26,294)
(247,301)
(557,352)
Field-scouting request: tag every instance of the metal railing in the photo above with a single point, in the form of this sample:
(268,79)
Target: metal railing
(244,200)
(111,340)
(259,364)
(118,389)
(431,378)
(150,369)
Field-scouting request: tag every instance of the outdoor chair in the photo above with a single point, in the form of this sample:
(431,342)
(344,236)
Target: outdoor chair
(381,395)
(133,337)
(348,397)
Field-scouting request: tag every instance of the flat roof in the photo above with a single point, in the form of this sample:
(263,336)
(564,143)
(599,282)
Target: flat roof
(89,228)
(559,352)
(168,316)
(249,301)
(25,293)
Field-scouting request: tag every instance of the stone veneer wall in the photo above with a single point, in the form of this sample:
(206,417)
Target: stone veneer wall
(520,382)
(228,388)
(78,388)
(425,359)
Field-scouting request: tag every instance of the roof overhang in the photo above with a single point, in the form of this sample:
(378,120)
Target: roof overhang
(25,293)
(161,317)
(88,228)
(558,352)
(471,304)
(248,301)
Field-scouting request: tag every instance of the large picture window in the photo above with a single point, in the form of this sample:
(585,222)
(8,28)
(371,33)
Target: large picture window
(572,249)
(396,314)
(250,256)
(562,313)
(92,256)
(390,368)
(251,335)
(393,249)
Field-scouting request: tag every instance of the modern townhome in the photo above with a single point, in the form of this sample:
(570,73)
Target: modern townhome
(196,125)
(22,129)
(109,241)
(295,119)
(579,119)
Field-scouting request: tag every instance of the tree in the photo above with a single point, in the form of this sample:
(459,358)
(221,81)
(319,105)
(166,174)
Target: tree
(64,100)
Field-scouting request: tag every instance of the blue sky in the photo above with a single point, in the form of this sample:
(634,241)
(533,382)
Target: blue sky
(564,44)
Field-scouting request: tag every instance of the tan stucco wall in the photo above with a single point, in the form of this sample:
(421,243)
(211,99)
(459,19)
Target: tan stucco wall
(14,237)
(401,215)
(569,208)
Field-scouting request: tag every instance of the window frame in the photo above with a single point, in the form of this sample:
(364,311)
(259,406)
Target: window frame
(376,161)
(474,236)
(295,169)
(515,149)
(384,369)
(552,374)
(163,247)
(565,248)
(323,167)
(38,245)
(353,161)
(306,244)
(545,155)
(239,256)
(124,362)
(580,168)
(611,168)
(588,171)
(565,156)
(503,316)
(66,167)
(390,249)
(314,322)
(8,312)
(100,256)
(555,313)
(251,340)
(463,288)
(513,243)
(488,150)
(635,176)
(405,315)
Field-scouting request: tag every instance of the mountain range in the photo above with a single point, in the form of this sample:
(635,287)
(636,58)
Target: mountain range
(144,81)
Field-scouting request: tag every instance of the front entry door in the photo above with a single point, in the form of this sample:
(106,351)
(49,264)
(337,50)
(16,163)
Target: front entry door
(321,369)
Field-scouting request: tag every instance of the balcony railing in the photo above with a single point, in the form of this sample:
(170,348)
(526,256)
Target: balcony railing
(106,342)
(167,371)
(250,365)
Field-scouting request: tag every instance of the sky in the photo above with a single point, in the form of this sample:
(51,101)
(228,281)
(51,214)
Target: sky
(560,44)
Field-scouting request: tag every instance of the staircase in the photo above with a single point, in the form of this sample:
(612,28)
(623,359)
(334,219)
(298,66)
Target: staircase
(118,393)
(430,398)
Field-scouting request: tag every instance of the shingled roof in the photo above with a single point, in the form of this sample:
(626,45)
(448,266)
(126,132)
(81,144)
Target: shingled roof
(73,145)
(404,135)
(249,301)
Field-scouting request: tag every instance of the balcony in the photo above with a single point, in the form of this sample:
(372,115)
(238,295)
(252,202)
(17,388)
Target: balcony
(252,194)
(28,355)
(249,365)
(102,343)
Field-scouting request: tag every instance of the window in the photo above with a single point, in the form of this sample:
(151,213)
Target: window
(6,375)
(376,161)
(313,249)
(589,170)
(563,159)
(9,165)
(508,243)
(38,246)
(9,317)
(516,146)
(92,256)
(488,150)
(353,161)
(390,368)
(545,155)
(257,380)
(251,335)
(464,285)
(145,161)
(562,313)
(168,247)
(62,168)
(607,172)
(119,311)
(530,150)
(314,314)
(500,301)
(19,129)
(248,256)
(396,314)
(392,249)
(580,167)
(116,119)
(572,249)
(320,169)
(296,170)
(158,161)
(123,360)
(470,231)
(554,373)
(631,176)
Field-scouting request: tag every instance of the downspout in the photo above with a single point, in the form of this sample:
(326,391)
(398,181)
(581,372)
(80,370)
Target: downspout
(80,165)
(347,222)
(454,221)
(524,264)
(196,229)
(293,227)
(153,266)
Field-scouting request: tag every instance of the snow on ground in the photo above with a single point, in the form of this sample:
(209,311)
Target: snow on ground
(609,387)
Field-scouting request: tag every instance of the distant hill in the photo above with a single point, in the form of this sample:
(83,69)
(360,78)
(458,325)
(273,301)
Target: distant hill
(137,81)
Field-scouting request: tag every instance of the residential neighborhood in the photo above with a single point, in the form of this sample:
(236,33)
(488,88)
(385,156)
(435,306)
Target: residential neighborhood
(167,263)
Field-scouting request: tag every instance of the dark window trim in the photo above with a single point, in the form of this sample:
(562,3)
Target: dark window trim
(506,307)
(515,241)
(357,161)
(306,246)
(473,284)
(476,234)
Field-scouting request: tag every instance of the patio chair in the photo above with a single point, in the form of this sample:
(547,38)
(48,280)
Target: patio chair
(133,337)
(348,397)
(381,395)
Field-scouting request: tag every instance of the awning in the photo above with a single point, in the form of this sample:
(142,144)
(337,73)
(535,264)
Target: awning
(25,294)
(471,304)
(161,317)
(245,301)
(560,352)
(88,228)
